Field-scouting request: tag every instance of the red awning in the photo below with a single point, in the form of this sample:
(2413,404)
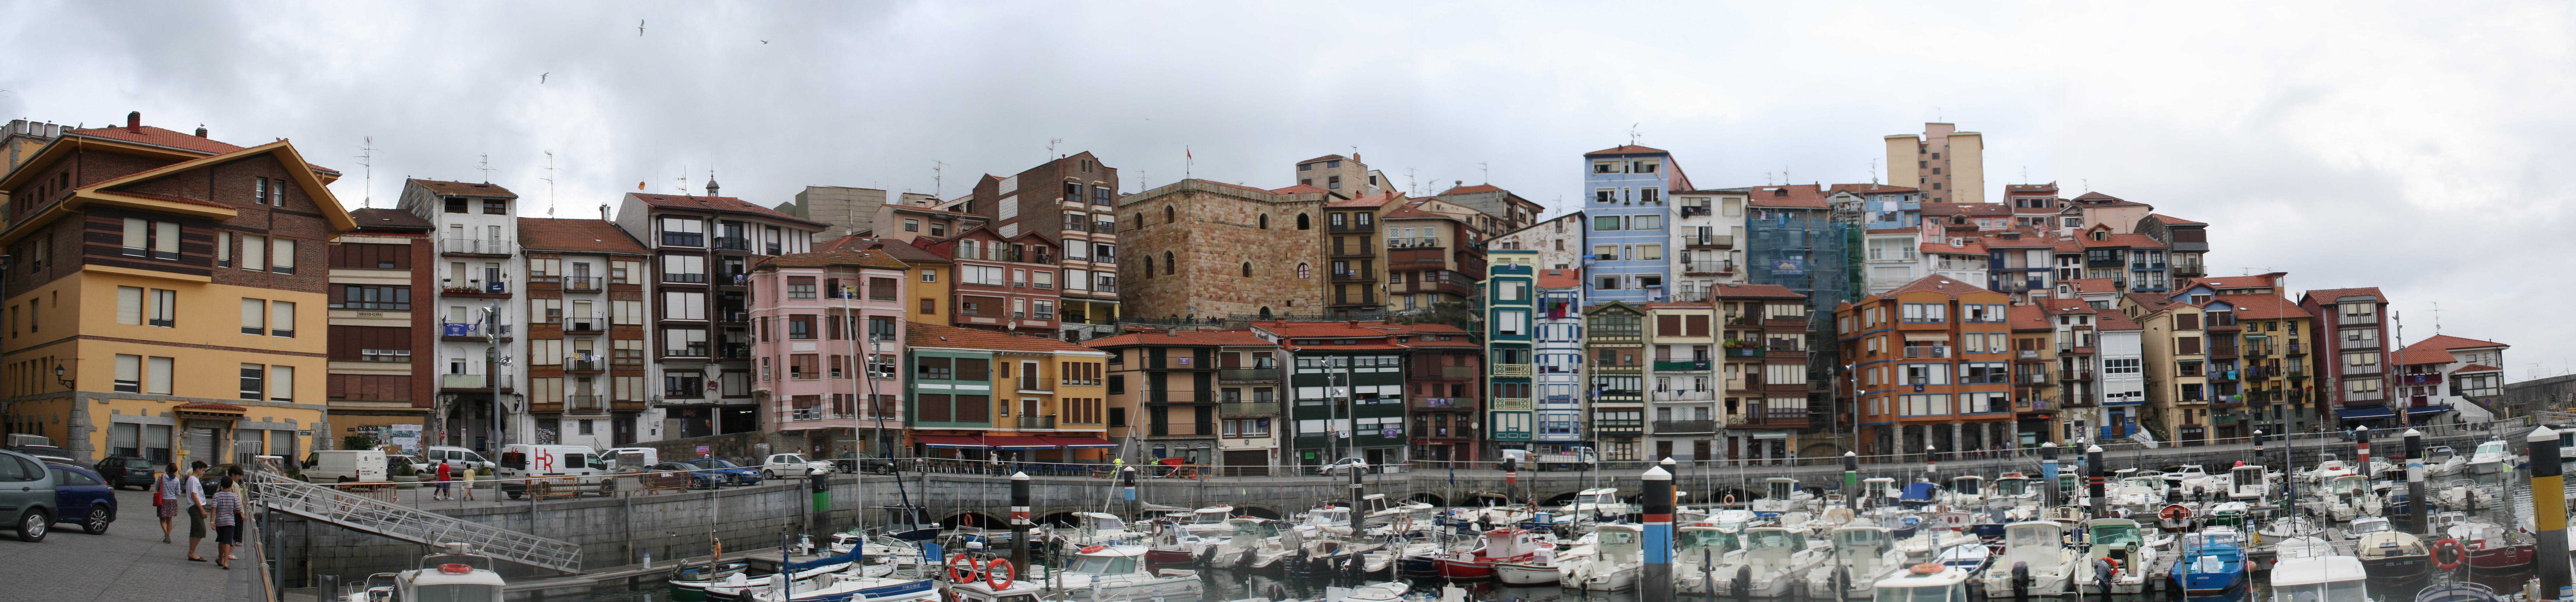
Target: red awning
(949,441)
(1078,442)
(1017,442)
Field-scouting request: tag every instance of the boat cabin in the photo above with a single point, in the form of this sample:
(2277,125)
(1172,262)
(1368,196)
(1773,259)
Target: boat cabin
(2246,482)
(2012,485)
(2318,579)
(1928,582)
(1968,485)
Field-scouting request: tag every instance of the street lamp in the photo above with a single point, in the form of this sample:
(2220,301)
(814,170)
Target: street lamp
(59,377)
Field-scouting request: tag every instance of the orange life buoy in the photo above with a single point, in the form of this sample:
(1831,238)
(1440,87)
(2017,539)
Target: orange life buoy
(1927,568)
(2456,553)
(999,574)
(969,568)
(1093,549)
(2176,512)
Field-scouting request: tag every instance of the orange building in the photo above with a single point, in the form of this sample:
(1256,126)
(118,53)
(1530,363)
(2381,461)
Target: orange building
(1931,365)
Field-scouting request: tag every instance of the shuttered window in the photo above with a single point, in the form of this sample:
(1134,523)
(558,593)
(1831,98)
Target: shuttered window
(156,379)
(281,319)
(254,314)
(138,236)
(252,376)
(284,258)
(129,305)
(254,251)
(223,249)
(281,383)
(165,309)
(165,240)
(129,373)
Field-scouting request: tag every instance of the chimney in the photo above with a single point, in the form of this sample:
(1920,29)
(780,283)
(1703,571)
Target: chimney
(1355,323)
(201,130)
(134,122)
(603,213)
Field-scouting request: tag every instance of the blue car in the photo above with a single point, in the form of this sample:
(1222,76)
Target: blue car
(82,498)
(733,473)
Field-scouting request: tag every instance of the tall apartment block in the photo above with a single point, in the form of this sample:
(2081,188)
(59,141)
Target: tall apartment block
(1510,292)
(477,317)
(585,343)
(1071,202)
(384,361)
(1947,164)
(1931,367)
(702,250)
(1628,257)
(2351,332)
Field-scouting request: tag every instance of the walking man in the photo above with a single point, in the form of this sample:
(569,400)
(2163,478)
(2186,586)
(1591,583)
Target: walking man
(195,492)
(444,475)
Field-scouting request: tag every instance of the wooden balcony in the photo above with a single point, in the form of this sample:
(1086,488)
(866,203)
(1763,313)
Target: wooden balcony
(1774,418)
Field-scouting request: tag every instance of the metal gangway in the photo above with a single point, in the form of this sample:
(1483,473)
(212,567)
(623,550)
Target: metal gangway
(362,513)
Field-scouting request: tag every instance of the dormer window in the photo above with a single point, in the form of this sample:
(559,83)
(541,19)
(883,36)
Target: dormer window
(2101,235)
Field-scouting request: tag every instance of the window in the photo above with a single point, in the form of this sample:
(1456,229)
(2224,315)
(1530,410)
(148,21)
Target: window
(1605,223)
(1649,195)
(281,383)
(689,384)
(911,224)
(683,232)
(929,307)
(1923,405)
(982,274)
(253,381)
(254,315)
(683,268)
(284,258)
(2120,366)
(358,296)
(684,305)
(684,342)
(800,287)
(281,319)
(1605,252)
(147,238)
(800,326)
(129,373)
(1650,252)
(456,204)
(802,366)
(156,375)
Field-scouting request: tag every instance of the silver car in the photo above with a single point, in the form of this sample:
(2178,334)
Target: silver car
(26,495)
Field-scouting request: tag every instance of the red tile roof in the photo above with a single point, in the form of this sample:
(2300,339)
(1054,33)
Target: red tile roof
(1298,189)
(2151,302)
(2112,320)
(2331,294)
(2068,245)
(1753,291)
(719,203)
(2134,241)
(2412,357)
(1473,188)
(1364,201)
(1565,278)
(1202,338)
(2262,307)
(2026,240)
(2096,199)
(1797,196)
(1968,209)
(2174,221)
(395,219)
(2023,317)
(2444,341)
(1974,247)
(918,334)
(158,137)
(1325,158)
(464,188)
(576,235)
(1324,330)
(1871,188)
(2067,306)
(2477,368)
(863,258)
(897,249)
(1625,149)
(1934,283)
(2228,282)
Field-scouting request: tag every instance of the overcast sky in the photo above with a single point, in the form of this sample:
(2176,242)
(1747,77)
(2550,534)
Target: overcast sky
(2408,147)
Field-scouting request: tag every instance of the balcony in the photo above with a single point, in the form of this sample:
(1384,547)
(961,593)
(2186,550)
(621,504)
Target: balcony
(2219,376)
(2350,370)
(1354,276)
(1710,266)
(2039,378)
(733,351)
(1680,427)
(2364,398)
(1441,403)
(2034,405)
(585,404)
(1744,352)
(1917,352)
(1681,365)
(1709,240)
(476,246)
(732,315)
(2260,350)
(2361,320)
(1694,210)
(1685,395)
(2075,375)
(1257,407)
(1037,422)
(1513,403)
(1104,227)
(1776,418)
(476,288)
(1233,375)
(1425,242)
(731,243)
(463,332)
(590,324)
(1512,370)
(593,366)
(2424,378)
(2026,354)
(1104,259)
(581,284)
(2222,352)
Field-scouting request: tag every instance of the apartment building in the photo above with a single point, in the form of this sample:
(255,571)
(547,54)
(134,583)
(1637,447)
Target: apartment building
(1502,210)
(702,251)
(2036,387)
(828,339)
(128,348)
(2122,378)
(2217,363)
(1071,201)
(2472,369)
(1614,347)
(1208,397)
(2074,339)
(1345,176)
(1682,405)
(1191,246)
(1704,233)
(1948,164)
(2351,376)
(1767,397)
(1434,256)
(2096,209)
(1511,316)
(584,341)
(1629,258)
(1005,284)
(476,224)
(982,394)
(2021,263)
(377,381)
(1355,284)
(1558,241)
(2188,240)
(1556,341)
(2135,263)
(2037,207)
(1444,391)
(851,211)
(1347,388)
(1932,360)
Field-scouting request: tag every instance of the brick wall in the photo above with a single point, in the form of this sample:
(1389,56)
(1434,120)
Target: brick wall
(1217,231)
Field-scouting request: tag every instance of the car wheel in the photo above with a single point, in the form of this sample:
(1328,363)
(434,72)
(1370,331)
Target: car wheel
(768,475)
(31,528)
(98,521)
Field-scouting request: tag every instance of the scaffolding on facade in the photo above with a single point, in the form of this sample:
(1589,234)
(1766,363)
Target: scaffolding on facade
(1810,253)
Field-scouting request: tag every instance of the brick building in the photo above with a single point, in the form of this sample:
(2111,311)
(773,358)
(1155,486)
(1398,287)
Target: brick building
(1069,200)
(384,360)
(1191,247)
(1932,358)
(1002,283)
(585,344)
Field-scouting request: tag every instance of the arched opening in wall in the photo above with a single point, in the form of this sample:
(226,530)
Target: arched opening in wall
(1305,271)
(1303,223)
(975,519)
(1167,263)
(1265,221)
(1149,266)
(1427,499)
(1258,512)
(1167,215)
(1265,312)
(1140,220)
(1247,269)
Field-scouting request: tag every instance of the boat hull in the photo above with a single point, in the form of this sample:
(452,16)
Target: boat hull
(2396,569)
(1466,569)
(1525,574)
(2504,560)
(1161,556)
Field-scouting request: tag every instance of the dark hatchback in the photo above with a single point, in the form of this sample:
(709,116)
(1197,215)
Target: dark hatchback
(699,478)
(82,498)
(126,471)
(733,473)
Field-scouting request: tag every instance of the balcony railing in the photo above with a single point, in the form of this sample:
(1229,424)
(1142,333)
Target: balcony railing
(1038,422)
(1774,418)
(1744,352)
(2222,351)
(475,246)
(1521,370)
(733,351)
(2342,319)
(2295,349)
(2422,378)
(2035,378)
(1681,365)
(1258,407)
(585,366)
(581,284)
(1717,266)
(477,287)
(2260,350)
(1246,374)
(585,323)
(1353,276)
(1453,403)
(731,243)
(1425,242)
(460,381)
(1676,427)
(585,404)
(1104,227)
(1685,395)
(2075,375)
(1927,352)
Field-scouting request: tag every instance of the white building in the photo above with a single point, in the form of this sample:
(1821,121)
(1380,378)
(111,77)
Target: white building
(2122,379)
(478,310)
(1706,232)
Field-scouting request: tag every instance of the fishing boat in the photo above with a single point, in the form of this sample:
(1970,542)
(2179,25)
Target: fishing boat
(1919,494)
(2212,562)
(1967,492)
(1781,494)
(1504,544)
(2492,550)
(2393,555)
(1772,557)
(1274,553)
(2488,457)
(2318,579)
(1703,548)
(2249,484)
(456,574)
(1383,512)
(1210,521)
(2012,489)
(1237,550)
(1928,582)
(1103,573)
(1862,555)
(1539,569)
(2442,461)
(1596,504)
(1613,565)
(2118,559)
(2035,562)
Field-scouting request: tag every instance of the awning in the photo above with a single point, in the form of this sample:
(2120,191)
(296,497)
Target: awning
(1093,442)
(1016,442)
(2428,409)
(2369,413)
(949,441)
(1770,435)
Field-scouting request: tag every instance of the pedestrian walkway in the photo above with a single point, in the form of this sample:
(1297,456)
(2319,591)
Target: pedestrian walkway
(128,563)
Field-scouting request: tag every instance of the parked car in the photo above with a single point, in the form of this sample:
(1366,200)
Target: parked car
(793,465)
(83,498)
(346,466)
(395,462)
(734,473)
(631,459)
(698,477)
(45,453)
(26,495)
(464,458)
(126,471)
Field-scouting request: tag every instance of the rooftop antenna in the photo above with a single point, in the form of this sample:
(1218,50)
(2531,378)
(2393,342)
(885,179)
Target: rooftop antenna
(367,159)
(1488,168)
(1873,171)
(1412,183)
(684,181)
(938,170)
(550,184)
(486,167)
(1766,178)
(1633,134)
(2025,174)
(2437,318)
(1051,142)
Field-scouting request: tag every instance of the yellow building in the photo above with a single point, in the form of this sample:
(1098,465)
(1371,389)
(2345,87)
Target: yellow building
(201,337)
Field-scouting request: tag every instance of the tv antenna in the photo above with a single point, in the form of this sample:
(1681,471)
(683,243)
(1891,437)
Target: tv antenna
(367,159)
(1633,134)
(1412,183)
(486,167)
(1488,168)
(550,184)
(2437,318)
(938,170)
(1051,142)
(1873,170)
(684,181)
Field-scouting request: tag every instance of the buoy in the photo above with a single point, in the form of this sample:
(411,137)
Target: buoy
(1927,568)
(961,573)
(1093,549)
(2456,553)
(999,574)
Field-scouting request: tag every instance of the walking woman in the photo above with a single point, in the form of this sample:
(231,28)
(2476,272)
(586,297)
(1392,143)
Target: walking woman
(165,496)
(226,510)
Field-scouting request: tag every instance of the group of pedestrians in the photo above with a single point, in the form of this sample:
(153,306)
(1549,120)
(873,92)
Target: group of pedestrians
(206,499)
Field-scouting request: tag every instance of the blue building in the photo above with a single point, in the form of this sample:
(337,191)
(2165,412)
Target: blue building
(1510,293)
(1628,256)
(1558,343)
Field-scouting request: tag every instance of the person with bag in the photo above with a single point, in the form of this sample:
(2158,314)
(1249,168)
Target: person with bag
(165,496)
(226,509)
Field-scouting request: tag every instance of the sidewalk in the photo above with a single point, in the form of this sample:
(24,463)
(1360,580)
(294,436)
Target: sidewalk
(128,563)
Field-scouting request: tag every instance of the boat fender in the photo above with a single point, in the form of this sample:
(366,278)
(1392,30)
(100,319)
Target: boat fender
(453,568)
(2453,560)
(1093,549)
(999,574)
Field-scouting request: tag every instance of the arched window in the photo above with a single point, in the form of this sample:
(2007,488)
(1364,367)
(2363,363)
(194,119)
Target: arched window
(1167,263)
(1265,221)
(1149,266)
(1247,269)
(1167,214)
(1302,223)
(1265,312)
(1140,220)
(1305,271)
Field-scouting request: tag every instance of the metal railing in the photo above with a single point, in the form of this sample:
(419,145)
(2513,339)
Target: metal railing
(361,513)
(476,246)
(1927,352)
(1709,266)
(581,284)
(731,243)
(1245,374)
(1685,426)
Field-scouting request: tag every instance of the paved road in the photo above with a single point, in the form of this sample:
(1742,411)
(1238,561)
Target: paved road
(127,563)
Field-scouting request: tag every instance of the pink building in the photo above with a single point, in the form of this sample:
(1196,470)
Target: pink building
(816,319)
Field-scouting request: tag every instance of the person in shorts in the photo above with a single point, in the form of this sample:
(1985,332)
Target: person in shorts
(225,510)
(445,474)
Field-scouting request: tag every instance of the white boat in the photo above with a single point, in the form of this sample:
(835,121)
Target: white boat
(2117,560)
(1966,492)
(843,587)
(880,549)
(737,586)
(1237,549)
(2035,562)
(1772,559)
(457,575)
(1927,582)
(2249,483)
(1594,504)
(1101,528)
(1614,562)
(1210,521)
(1277,550)
(1703,549)
(1383,512)
(2193,483)
(1781,495)
(1862,555)
(2349,496)
(2328,467)
(2318,579)
(2442,461)
(1388,591)
(2304,546)
(2013,489)
(1105,573)
(2489,456)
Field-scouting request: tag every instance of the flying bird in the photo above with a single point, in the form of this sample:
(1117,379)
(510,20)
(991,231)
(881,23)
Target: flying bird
(639,28)
(764,41)
(541,77)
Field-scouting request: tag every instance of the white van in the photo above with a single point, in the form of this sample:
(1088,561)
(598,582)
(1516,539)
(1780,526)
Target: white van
(458,456)
(633,459)
(345,466)
(579,462)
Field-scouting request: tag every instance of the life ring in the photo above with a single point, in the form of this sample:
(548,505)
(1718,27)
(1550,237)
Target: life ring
(2456,553)
(1925,568)
(999,574)
(1093,549)
(967,574)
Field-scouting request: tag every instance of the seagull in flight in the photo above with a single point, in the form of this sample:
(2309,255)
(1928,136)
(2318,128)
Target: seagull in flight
(541,77)
(639,28)
(764,41)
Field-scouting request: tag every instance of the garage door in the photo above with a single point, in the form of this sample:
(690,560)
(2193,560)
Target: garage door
(201,447)
(1251,463)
